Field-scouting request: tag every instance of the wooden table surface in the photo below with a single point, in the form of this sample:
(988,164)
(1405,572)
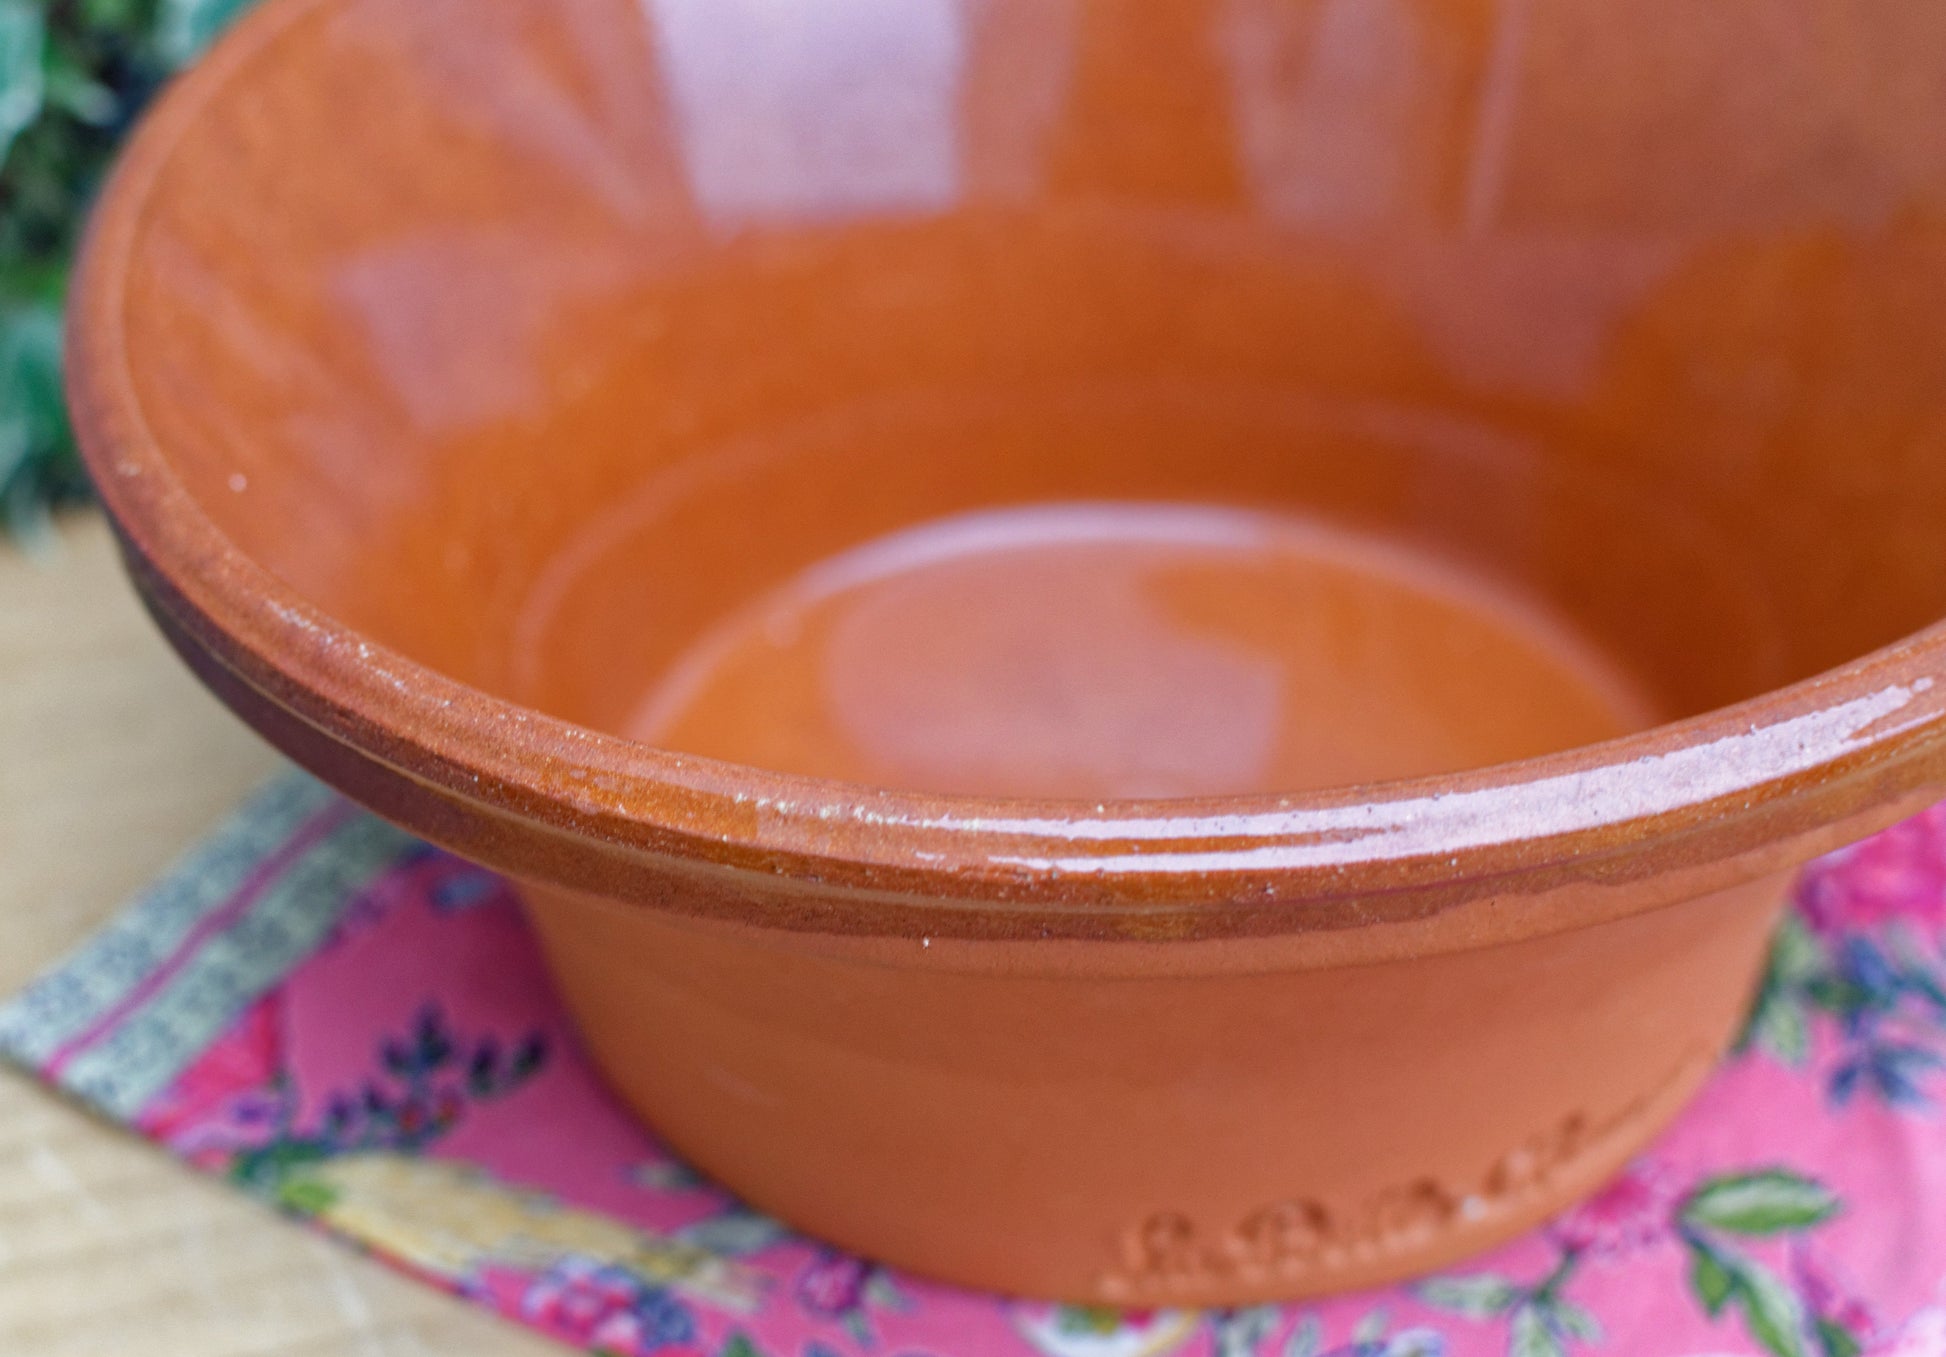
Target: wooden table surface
(112,760)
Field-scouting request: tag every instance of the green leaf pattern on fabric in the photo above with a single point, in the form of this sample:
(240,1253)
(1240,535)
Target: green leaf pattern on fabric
(1475,1297)
(1770,1202)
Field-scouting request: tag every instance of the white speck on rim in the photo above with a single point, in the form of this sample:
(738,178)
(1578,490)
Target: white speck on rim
(239,482)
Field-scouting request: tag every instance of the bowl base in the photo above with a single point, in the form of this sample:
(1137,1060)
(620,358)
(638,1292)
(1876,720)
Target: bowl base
(1134,650)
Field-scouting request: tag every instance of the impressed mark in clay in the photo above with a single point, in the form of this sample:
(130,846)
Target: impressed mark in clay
(1300,1238)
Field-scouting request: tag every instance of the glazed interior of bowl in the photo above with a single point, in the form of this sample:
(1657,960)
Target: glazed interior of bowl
(1060,399)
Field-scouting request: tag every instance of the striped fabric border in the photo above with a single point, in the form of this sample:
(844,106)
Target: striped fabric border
(117,1020)
(63,1003)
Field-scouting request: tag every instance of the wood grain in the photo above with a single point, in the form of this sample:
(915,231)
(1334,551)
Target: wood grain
(112,761)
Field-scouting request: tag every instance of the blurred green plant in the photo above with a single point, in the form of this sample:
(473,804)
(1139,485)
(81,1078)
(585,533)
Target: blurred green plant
(73,76)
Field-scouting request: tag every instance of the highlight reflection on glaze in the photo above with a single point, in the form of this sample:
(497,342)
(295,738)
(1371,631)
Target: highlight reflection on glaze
(1126,650)
(1469,818)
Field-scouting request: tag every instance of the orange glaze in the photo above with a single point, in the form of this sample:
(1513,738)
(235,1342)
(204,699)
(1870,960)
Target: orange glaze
(834,386)
(1126,650)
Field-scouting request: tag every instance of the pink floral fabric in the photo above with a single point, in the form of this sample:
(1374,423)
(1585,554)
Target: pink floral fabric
(356,1028)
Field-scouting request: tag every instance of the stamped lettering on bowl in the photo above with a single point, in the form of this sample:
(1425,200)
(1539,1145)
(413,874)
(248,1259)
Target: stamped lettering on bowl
(1299,1239)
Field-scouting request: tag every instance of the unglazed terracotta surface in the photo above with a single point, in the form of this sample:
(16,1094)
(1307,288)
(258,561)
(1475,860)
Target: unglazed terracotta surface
(1027,584)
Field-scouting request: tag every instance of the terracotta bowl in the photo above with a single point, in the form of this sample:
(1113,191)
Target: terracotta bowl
(1150,653)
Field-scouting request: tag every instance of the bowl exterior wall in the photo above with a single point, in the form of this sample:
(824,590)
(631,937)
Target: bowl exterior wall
(1068,1127)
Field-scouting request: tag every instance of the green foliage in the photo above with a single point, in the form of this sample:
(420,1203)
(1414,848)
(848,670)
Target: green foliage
(1773,1201)
(306,1196)
(186,27)
(1711,1278)
(1718,1222)
(1771,1311)
(1479,1297)
(1837,1340)
(73,76)
(1532,1336)
(1757,1205)
(1777,1022)
(1541,1320)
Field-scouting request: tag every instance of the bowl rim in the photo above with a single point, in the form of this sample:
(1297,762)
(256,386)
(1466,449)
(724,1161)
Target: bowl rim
(1728,781)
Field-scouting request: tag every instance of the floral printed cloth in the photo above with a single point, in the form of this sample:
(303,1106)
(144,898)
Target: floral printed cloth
(355,1027)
